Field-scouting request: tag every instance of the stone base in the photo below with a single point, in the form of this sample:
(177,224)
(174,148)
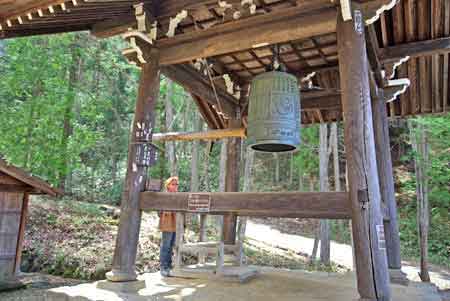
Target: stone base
(398,277)
(121,287)
(238,274)
(119,276)
(10,284)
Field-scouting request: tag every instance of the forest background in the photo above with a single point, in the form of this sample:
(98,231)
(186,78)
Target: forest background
(67,102)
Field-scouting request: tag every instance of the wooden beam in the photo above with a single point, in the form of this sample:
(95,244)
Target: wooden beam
(23,221)
(232,175)
(415,49)
(17,188)
(328,102)
(277,27)
(364,192)
(386,176)
(207,135)
(112,27)
(193,81)
(278,204)
(213,120)
(373,54)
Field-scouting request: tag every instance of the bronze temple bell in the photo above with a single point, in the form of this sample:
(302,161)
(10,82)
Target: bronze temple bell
(274,113)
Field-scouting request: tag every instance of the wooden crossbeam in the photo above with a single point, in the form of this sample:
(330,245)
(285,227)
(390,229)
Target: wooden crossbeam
(328,102)
(291,24)
(333,205)
(192,81)
(415,49)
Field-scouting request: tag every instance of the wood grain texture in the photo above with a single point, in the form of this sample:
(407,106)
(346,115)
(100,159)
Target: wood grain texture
(232,174)
(364,193)
(278,204)
(141,134)
(386,177)
(227,38)
(206,135)
(23,221)
(10,213)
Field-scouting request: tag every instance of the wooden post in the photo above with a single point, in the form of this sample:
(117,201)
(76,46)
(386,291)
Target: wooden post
(123,268)
(232,182)
(23,220)
(364,193)
(386,177)
(180,218)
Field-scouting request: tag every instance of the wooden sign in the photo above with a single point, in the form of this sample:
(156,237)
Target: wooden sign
(153,185)
(381,237)
(198,202)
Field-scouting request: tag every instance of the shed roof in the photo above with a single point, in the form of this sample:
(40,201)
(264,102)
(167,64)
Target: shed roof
(237,42)
(39,186)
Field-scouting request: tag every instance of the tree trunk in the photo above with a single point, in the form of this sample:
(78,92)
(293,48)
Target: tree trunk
(31,124)
(335,148)
(195,176)
(222,174)
(74,72)
(301,185)
(334,144)
(323,180)
(170,145)
(2,48)
(317,226)
(276,158)
(194,160)
(316,244)
(291,168)
(421,163)
(248,184)
(206,166)
(186,118)
(222,164)
(203,217)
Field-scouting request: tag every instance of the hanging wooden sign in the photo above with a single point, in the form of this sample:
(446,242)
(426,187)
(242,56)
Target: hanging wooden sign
(199,202)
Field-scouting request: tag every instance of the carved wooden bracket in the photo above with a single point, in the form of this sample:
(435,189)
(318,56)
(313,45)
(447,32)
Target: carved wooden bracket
(394,88)
(136,38)
(372,10)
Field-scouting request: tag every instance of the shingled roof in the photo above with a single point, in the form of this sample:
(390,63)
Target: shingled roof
(33,184)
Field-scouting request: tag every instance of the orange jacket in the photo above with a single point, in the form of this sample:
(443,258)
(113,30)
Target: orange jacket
(167,222)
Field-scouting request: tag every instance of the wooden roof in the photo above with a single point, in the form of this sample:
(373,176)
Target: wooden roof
(33,184)
(237,42)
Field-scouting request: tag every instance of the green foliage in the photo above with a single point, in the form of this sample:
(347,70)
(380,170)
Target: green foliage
(437,130)
(307,159)
(66,104)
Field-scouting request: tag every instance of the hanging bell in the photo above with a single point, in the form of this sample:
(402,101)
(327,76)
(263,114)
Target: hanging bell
(274,113)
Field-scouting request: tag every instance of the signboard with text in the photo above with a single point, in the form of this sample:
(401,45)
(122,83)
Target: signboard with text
(199,202)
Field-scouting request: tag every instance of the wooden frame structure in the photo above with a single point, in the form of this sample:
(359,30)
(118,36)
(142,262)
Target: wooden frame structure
(353,65)
(15,188)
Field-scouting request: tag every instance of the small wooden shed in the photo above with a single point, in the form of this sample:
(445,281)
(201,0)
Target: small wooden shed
(15,187)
